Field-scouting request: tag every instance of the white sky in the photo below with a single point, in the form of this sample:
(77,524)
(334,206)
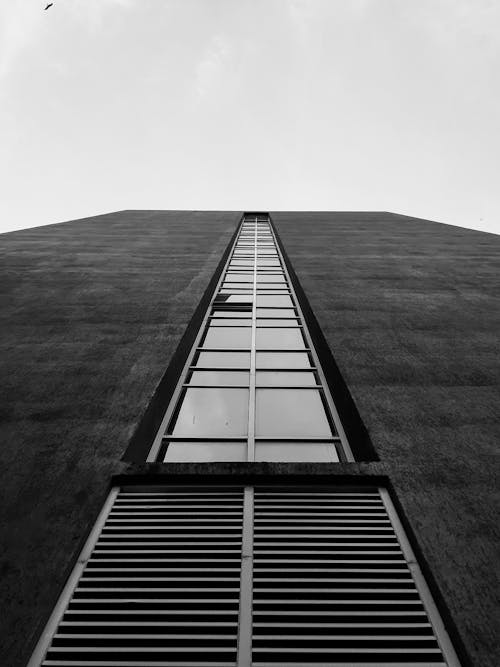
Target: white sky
(250,104)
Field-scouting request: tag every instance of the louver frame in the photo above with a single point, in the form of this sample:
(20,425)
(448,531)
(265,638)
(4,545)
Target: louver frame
(242,576)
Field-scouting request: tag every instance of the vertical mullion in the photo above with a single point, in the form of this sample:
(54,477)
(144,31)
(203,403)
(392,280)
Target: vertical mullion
(251,394)
(244,658)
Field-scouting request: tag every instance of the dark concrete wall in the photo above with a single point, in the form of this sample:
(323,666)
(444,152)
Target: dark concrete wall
(93,310)
(91,314)
(411,312)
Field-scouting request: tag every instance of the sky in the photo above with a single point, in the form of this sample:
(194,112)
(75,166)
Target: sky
(390,105)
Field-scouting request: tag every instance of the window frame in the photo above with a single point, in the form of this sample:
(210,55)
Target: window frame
(250,232)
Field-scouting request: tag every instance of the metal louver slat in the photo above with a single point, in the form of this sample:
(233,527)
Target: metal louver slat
(331,584)
(161,585)
(246,577)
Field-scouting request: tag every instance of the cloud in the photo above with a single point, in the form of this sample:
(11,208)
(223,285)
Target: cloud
(20,23)
(23,23)
(210,66)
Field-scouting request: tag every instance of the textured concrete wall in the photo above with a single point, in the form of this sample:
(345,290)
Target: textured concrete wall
(91,313)
(411,312)
(93,310)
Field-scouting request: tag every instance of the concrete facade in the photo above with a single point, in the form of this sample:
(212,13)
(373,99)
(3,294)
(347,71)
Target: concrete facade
(94,310)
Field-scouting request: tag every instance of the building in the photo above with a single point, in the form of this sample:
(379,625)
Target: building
(346,457)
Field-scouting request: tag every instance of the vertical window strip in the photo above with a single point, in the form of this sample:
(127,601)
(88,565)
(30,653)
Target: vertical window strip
(252,388)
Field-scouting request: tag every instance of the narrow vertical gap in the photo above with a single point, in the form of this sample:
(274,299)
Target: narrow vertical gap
(244,658)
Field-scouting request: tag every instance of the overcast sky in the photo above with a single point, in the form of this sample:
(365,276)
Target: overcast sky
(250,104)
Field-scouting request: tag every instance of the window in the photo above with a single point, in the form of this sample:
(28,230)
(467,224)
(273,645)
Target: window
(253,376)
(206,412)
(246,576)
(219,378)
(292,413)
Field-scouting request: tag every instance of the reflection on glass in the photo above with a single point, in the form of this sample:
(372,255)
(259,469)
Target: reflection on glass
(212,412)
(233,313)
(277,323)
(231,337)
(224,360)
(282,378)
(276,312)
(282,339)
(239,298)
(270,278)
(206,451)
(219,377)
(239,277)
(274,300)
(296,451)
(226,322)
(283,360)
(295,413)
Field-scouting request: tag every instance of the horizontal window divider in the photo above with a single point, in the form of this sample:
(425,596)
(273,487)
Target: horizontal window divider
(220,368)
(215,386)
(286,386)
(179,438)
(287,351)
(223,349)
(229,326)
(328,438)
(285,370)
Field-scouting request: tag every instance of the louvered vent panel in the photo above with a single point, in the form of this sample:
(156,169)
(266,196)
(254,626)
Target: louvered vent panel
(331,585)
(162,585)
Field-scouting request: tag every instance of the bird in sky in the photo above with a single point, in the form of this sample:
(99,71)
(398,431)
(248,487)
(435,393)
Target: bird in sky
(49,5)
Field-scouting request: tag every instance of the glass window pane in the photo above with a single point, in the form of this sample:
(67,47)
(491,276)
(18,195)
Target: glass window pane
(274,300)
(239,277)
(290,412)
(276,312)
(232,313)
(282,339)
(226,322)
(206,451)
(296,451)
(237,287)
(239,298)
(212,412)
(281,378)
(223,360)
(276,289)
(270,278)
(277,323)
(220,377)
(232,337)
(283,360)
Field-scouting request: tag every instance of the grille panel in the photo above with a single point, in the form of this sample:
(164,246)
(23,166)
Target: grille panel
(161,586)
(247,577)
(331,585)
